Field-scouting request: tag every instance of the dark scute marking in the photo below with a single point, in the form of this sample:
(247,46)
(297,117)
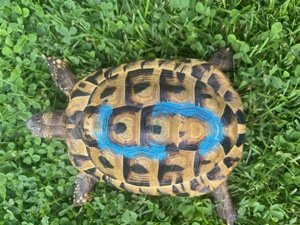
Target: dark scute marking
(107,92)
(139,183)
(75,118)
(185,61)
(78,93)
(128,87)
(182,186)
(229,96)
(155,129)
(163,192)
(104,178)
(160,62)
(179,180)
(92,109)
(200,94)
(177,64)
(146,62)
(92,143)
(140,72)
(229,161)
(91,171)
(228,116)
(206,66)
(173,168)
(144,128)
(213,174)
(139,169)
(120,128)
(180,76)
(87,136)
(197,164)
(126,168)
(189,147)
(75,132)
(165,182)
(108,73)
(205,189)
(140,190)
(213,82)
(166,73)
(198,70)
(105,101)
(194,184)
(125,109)
(81,85)
(181,133)
(161,171)
(240,117)
(122,186)
(105,162)
(206,96)
(183,195)
(171,148)
(78,159)
(137,88)
(174,88)
(92,79)
(205,162)
(175,189)
(240,140)
(201,179)
(226,143)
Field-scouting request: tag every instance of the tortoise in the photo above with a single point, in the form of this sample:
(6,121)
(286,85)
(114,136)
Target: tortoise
(156,127)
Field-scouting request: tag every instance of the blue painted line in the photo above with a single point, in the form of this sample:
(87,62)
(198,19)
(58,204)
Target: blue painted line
(155,150)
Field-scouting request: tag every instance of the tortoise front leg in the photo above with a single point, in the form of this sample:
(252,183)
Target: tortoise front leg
(48,124)
(61,74)
(225,207)
(84,184)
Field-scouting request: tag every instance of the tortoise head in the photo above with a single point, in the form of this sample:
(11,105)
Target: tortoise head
(222,59)
(48,124)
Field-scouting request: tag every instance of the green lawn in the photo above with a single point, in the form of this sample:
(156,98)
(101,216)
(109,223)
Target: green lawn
(36,177)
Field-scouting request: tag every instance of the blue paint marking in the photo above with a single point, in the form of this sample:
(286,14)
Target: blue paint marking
(155,150)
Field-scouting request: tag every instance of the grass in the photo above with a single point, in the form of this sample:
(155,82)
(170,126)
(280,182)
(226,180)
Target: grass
(36,178)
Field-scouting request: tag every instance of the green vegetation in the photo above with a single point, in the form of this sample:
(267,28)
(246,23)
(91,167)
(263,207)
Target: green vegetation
(36,177)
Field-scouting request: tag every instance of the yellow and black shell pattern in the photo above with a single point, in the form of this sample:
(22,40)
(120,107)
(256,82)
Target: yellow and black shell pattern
(173,127)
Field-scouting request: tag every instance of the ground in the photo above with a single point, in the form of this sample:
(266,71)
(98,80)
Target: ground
(36,177)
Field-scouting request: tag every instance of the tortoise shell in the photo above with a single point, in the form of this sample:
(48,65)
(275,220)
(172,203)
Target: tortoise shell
(156,127)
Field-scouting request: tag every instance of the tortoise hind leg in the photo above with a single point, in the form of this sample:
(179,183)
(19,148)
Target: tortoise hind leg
(61,74)
(84,184)
(225,207)
(48,124)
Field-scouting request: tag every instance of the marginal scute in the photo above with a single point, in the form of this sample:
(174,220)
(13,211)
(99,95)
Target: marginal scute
(129,94)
